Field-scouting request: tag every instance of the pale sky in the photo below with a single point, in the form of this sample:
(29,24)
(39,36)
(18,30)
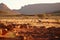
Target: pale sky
(17,4)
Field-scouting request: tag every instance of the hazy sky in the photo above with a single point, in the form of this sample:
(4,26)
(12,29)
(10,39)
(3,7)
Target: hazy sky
(17,4)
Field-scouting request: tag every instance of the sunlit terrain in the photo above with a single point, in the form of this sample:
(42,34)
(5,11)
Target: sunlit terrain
(31,22)
(29,27)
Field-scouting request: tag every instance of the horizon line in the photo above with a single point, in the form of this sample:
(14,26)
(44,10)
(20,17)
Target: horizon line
(29,4)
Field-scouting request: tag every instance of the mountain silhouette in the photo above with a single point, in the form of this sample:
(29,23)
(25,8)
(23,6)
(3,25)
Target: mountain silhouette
(3,7)
(40,8)
(52,8)
(4,10)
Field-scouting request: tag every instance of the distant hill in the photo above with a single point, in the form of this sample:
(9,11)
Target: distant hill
(4,10)
(33,9)
(40,8)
